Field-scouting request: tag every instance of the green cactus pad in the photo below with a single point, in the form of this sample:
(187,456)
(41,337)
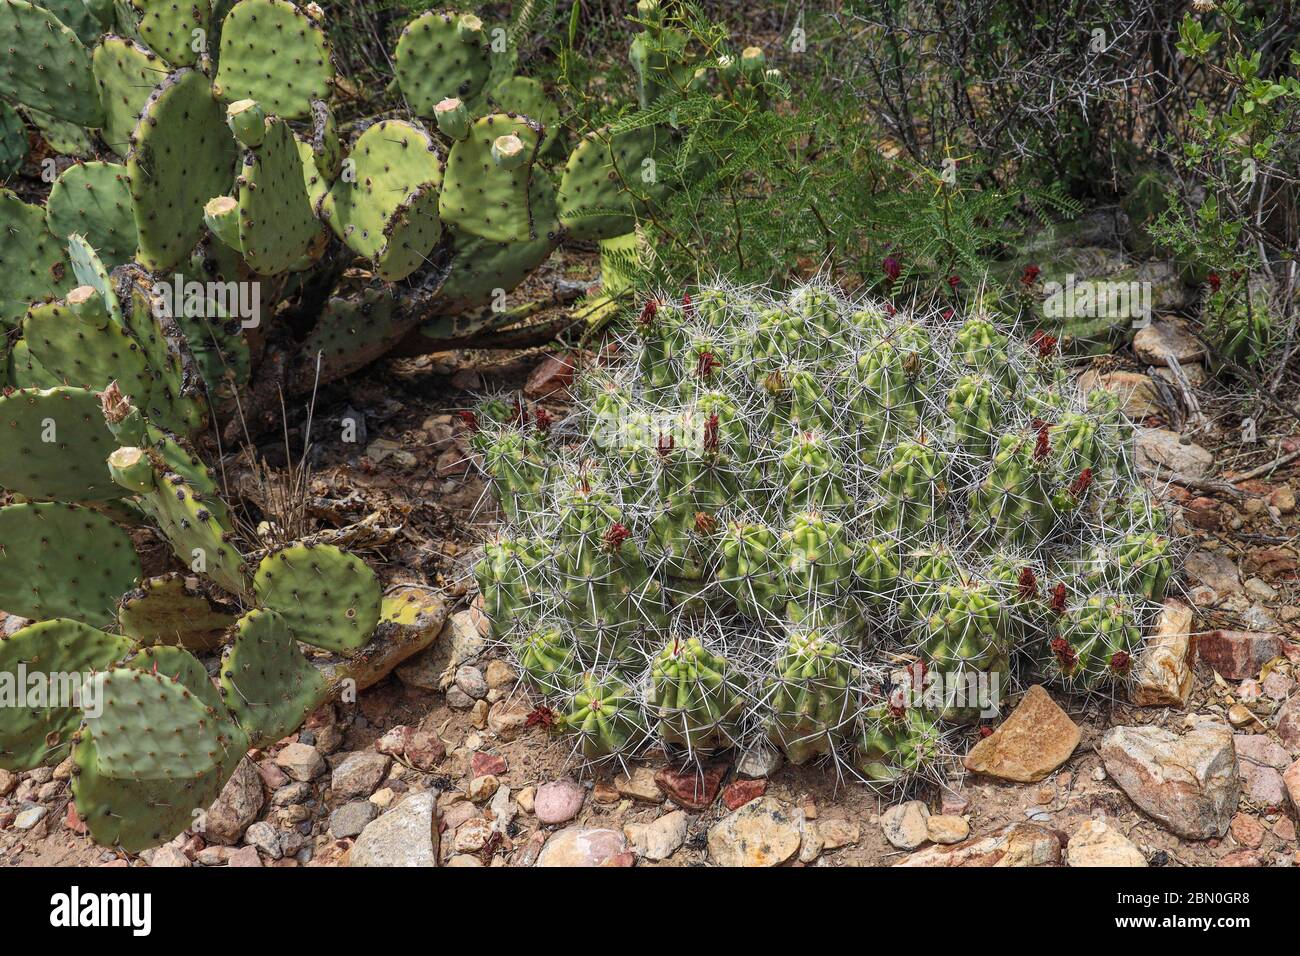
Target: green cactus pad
(94,200)
(13,141)
(275,54)
(181,156)
(154,756)
(46,67)
(57,653)
(486,199)
(609,179)
(31,260)
(166,610)
(182,667)
(350,333)
(410,235)
(266,682)
(78,16)
(66,139)
(60,560)
(87,354)
(55,444)
(389,162)
(525,96)
(126,74)
(329,598)
(27,373)
(88,269)
(432,62)
(169,26)
(276,224)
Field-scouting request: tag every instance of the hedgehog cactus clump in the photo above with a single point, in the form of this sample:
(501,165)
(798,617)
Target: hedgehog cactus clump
(760,505)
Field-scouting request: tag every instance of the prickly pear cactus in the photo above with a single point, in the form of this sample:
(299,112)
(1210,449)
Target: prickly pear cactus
(761,507)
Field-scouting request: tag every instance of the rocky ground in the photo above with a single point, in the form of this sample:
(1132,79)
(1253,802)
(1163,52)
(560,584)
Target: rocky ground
(445,761)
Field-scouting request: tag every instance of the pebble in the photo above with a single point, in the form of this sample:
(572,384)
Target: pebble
(473,835)
(457,699)
(265,837)
(499,675)
(359,773)
(481,764)
(26,819)
(507,718)
(583,846)
(943,828)
(482,789)
(239,804)
(405,836)
(639,786)
(525,798)
(559,801)
(350,819)
(906,825)
(471,681)
(764,832)
(661,838)
(740,792)
(691,789)
(837,832)
(301,762)
(1247,830)
(1097,843)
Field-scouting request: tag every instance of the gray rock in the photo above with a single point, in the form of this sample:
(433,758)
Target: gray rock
(1189,784)
(290,794)
(1214,570)
(300,761)
(1159,448)
(28,818)
(435,668)
(238,806)
(359,773)
(405,836)
(659,839)
(471,681)
(351,818)
(265,837)
(457,699)
(1165,337)
(759,761)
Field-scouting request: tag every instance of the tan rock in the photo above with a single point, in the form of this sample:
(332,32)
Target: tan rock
(1020,844)
(1036,739)
(1096,843)
(764,832)
(1162,676)
(906,825)
(1137,394)
(946,829)
(640,785)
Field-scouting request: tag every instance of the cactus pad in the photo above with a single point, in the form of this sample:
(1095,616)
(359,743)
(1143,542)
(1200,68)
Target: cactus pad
(525,96)
(94,200)
(31,260)
(329,598)
(55,444)
(485,198)
(432,62)
(13,141)
(166,610)
(59,560)
(609,179)
(276,225)
(265,681)
(55,655)
(275,54)
(45,66)
(169,26)
(126,74)
(181,156)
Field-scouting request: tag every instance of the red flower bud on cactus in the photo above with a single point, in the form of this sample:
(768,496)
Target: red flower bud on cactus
(954,281)
(1213,281)
(711,438)
(687,305)
(1081,483)
(1046,344)
(892,268)
(544,420)
(889,309)
(947,315)
(664,446)
(1058,599)
(1065,655)
(1030,275)
(705,523)
(707,365)
(1042,444)
(648,311)
(897,702)
(1028,583)
(1120,662)
(470,420)
(985,731)
(615,537)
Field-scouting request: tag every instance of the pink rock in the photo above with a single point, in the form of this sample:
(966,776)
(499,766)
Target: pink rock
(1240,858)
(1292,781)
(424,750)
(1262,784)
(558,801)
(1247,831)
(244,856)
(393,743)
(740,792)
(272,776)
(1288,722)
(584,846)
(551,378)
(482,764)
(1261,749)
(1238,654)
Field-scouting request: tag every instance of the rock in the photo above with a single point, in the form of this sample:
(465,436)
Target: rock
(272,776)
(953,802)
(906,825)
(740,792)
(290,794)
(942,828)
(582,846)
(551,378)
(425,750)
(383,797)
(26,819)
(1020,844)
(301,762)
(407,835)
(691,789)
(1189,784)
(602,791)
(463,860)
(507,718)
(393,743)
(265,838)
(1263,785)
(764,832)
(525,799)
(351,818)
(1288,722)
(471,681)
(499,675)
(482,764)
(238,806)
(1096,843)
(639,786)
(473,835)
(359,773)
(660,838)
(1291,779)
(420,619)
(1261,749)
(761,760)
(1036,739)
(1162,674)
(456,814)
(1159,448)
(435,668)
(478,714)
(1240,858)
(1283,499)
(484,788)
(1238,654)
(1137,394)
(1248,831)
(457,699)
(558,801)
(1214,570)
(1259,590)
(502,808)
(168,856)
(1277,686)
(837,832)
(1165,337)
(8,782)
